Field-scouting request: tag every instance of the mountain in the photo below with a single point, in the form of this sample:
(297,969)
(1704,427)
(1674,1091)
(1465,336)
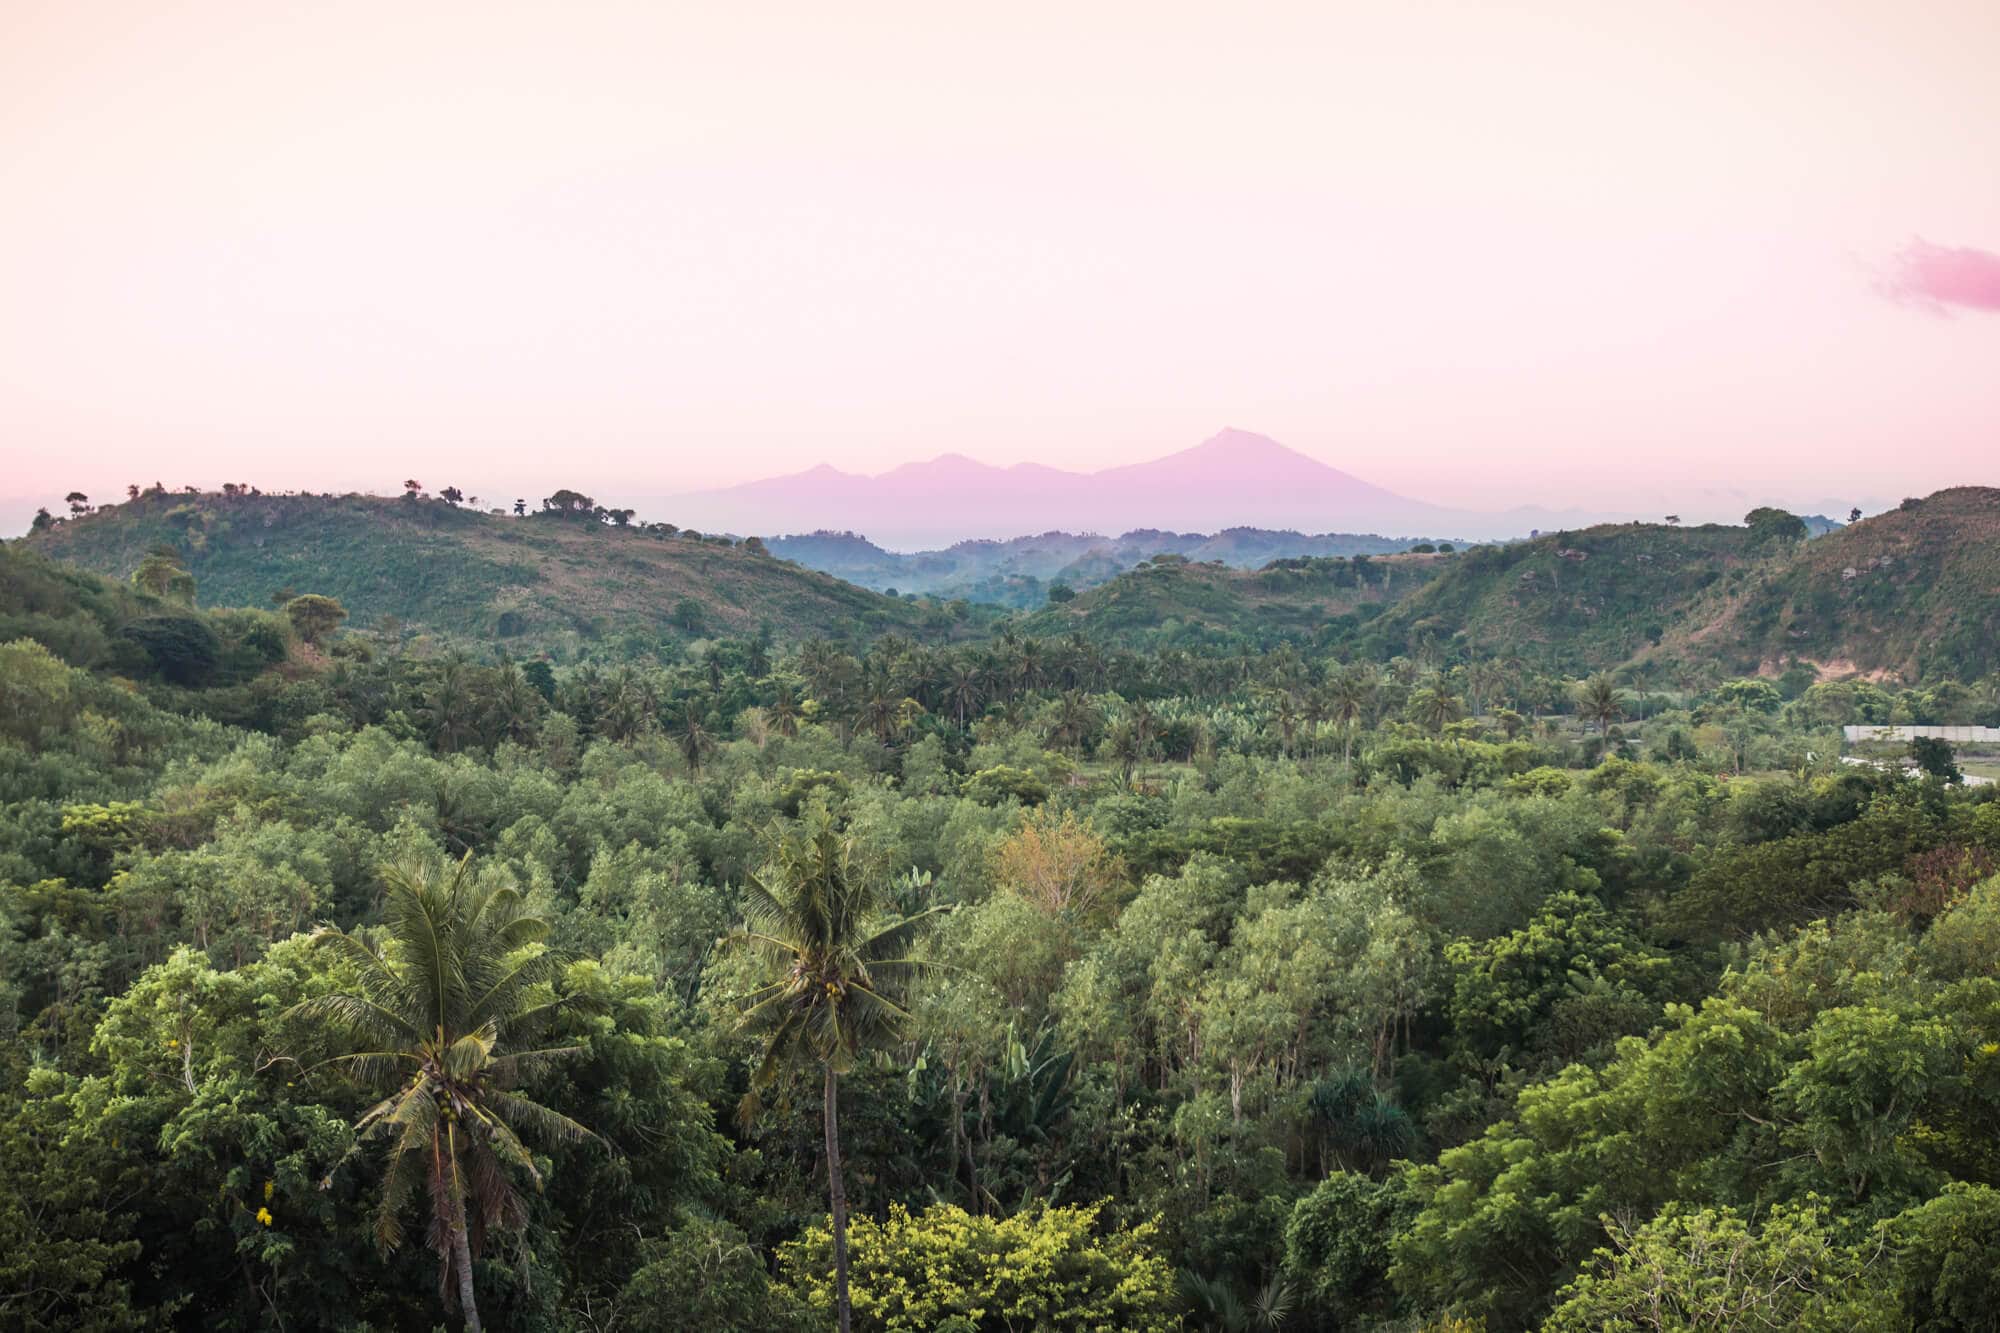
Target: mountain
(1235,478)
(529,581)
(1019,572)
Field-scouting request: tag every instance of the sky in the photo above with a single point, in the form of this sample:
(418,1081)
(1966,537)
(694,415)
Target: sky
(1486,255)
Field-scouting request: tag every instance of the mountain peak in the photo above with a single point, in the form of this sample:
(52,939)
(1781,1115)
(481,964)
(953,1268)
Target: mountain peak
(1231,440)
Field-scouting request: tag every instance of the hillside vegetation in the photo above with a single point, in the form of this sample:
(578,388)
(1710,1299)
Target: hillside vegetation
(1172,600)
(1020,572)
(1914,592)
(465,572)
(1595,597)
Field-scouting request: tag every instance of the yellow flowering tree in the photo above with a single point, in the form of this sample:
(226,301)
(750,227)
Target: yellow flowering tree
(1051,1268)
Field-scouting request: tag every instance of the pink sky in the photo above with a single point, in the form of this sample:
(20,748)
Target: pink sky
(1482,254)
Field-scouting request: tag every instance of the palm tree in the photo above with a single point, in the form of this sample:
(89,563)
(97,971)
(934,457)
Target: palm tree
(1076,718)
(962,689)
(516,705)
(835,975)
(1484,680)
(1028,673)
(1348,696)
(695,739)
(1598,701)
(449,1009)
(784,710)
(1285,712)
(1436,707)
(1131,744)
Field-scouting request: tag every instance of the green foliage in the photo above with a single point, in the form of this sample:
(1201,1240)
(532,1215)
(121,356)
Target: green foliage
(1397,993)
(313,617)
(1052,1267)
(1337,1246)
(1935,758)
(1703,1268)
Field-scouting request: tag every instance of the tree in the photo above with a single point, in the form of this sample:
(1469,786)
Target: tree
(1673,520)
(314,617)
(566,503)
(1692,1268)
(1599,702)
(1854,514)
(694,739)
(78,502)
(835,976)
(452,496)
(1935,758)
(1047,1267)
(44,520)
(450,1008)
(1060,593)
(520,508)
(1060,865)
(784,710)
(1769,526)
(412,488)
(1435,707)
(163,574)
(1349,695)
(963,689)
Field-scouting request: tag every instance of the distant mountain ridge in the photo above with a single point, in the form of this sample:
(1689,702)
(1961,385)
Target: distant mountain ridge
(1235,478)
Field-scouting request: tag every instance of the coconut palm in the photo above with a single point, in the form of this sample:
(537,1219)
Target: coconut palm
(1484,680)
(1599,701)
(1076,717)
(695,739)
(964,686)
(784,710)
(449,1010)
(835,976)
(1285,712)
(517,708)
(1348,696)
(1130,744)
(1435,706)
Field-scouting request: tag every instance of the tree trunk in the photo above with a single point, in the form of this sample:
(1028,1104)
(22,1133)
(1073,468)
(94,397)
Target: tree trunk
(837,1195)
(461,1251)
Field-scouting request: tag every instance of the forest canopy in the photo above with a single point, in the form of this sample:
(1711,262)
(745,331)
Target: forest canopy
(355,978)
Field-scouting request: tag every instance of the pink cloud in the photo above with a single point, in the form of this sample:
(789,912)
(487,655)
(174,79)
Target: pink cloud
(1943,276)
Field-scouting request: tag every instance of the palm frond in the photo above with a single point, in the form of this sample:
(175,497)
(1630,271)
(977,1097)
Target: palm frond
(551,1125)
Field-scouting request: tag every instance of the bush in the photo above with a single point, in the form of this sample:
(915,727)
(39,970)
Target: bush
(1045,1268)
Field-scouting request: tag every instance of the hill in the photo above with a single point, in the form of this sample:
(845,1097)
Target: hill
(1170,600)
(1913,592)
(1019,572)
(1592,598)
(466,572)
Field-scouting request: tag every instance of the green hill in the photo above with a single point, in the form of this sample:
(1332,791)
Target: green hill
(1914,593)
(477,574)
(1304,599)
(1018,572)
(1592,598)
